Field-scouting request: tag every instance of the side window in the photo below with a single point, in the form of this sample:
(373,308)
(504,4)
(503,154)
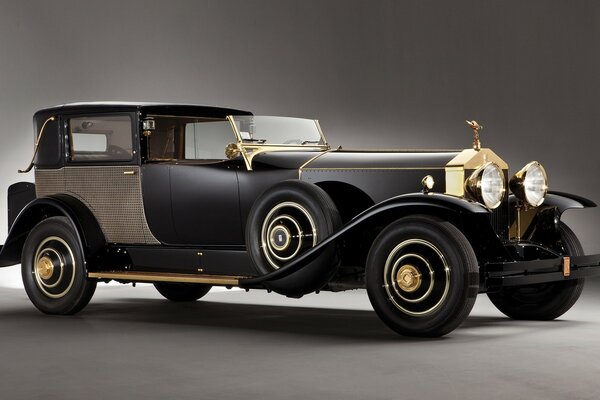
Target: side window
(207,140)
(188,138)
(100,138)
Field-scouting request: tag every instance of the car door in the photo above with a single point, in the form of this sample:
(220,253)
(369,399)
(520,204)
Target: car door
(191,188)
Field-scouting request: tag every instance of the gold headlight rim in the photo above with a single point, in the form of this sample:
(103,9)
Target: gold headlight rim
(473,185)
(517,186)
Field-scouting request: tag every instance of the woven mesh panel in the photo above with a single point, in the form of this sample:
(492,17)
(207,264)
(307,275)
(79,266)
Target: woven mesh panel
(115,199)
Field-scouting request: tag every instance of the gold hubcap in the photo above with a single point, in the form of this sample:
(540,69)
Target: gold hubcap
(45,268)
(408,278)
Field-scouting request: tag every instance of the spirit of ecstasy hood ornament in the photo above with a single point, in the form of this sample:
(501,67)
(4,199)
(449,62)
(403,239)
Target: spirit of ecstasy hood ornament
(476,128)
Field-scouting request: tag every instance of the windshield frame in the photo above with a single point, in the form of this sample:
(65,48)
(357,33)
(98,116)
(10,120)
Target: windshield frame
(250,150)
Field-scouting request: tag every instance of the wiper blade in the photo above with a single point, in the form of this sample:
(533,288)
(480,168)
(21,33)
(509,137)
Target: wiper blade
(259,141)
(311,141)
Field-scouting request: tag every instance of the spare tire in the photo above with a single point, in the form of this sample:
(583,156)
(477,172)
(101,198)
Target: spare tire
(288,219)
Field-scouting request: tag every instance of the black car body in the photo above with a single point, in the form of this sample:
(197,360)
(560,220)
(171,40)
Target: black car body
(189,196)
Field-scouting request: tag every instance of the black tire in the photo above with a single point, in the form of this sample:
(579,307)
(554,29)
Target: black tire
(544,301)
(182,291)
(399,276)
(53,268)
(290,204)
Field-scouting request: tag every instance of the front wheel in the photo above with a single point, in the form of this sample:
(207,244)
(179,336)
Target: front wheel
(422,276)
(543,301)
(53,268)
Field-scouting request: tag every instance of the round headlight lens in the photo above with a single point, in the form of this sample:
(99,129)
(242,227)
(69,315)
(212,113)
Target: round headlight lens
(492,186)
(486,185)
(530,184)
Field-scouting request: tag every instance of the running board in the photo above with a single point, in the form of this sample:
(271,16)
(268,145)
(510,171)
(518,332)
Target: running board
(136,276)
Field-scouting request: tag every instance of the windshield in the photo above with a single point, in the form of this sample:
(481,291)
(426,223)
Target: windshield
(278,130)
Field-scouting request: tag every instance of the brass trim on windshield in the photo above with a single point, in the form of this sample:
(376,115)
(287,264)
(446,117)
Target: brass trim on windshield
(321,132)
(258,148)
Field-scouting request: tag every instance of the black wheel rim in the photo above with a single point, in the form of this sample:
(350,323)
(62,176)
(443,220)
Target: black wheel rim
(54,267)
(416,277)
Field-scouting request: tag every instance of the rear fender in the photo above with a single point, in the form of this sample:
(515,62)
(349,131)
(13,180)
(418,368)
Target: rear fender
(80,217)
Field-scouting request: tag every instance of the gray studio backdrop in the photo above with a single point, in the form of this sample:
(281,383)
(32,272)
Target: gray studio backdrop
(400,74)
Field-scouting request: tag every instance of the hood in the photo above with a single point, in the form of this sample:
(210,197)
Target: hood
(383,159)
(357,159)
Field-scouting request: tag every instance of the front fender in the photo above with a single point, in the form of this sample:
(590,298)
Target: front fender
(80,217)
(565,201)
(561,200)
(388,210)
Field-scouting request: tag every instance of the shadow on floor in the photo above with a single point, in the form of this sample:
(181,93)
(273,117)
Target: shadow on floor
(318,323)
(359,325)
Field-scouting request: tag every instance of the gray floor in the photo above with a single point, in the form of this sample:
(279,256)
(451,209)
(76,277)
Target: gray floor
(129,343)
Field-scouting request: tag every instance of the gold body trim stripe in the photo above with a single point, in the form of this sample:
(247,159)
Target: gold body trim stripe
(303,166)
(223,280)
(368,168)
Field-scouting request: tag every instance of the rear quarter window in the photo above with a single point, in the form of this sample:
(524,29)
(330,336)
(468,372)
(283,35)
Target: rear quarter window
(100,138)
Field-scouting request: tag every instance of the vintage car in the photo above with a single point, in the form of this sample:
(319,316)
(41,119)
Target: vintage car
(187,197)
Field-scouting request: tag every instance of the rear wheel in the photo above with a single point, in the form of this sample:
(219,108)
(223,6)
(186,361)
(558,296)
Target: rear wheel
(422,276)
(182,291)
(53,268)
(544,301)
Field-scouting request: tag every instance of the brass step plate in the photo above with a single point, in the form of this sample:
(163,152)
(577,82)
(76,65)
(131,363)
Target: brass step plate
(136,276)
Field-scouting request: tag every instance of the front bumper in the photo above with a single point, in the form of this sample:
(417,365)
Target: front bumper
(515,273)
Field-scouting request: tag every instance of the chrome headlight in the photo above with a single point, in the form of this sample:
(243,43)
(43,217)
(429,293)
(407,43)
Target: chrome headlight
(486,185)
(530,184)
